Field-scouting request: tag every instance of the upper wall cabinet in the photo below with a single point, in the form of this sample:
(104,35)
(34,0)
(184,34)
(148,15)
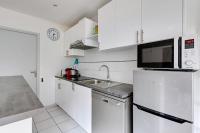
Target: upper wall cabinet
(79,37)
(161,19)
(119,23)
(106,23)
(69,39)
(130,22)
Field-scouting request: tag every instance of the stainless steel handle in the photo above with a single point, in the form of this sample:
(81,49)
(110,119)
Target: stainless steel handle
(59,86)
(142,36)
(34,72)
(137,36)
(73,89)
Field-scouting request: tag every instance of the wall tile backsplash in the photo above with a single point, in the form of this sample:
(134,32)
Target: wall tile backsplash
(120,62)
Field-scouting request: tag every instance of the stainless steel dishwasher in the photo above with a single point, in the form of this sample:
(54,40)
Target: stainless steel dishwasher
(111,114)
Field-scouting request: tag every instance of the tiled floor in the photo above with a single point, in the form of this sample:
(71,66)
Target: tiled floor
(54,120)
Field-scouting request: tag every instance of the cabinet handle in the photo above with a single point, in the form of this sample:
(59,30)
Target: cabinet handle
(73,89)
(59,86)
(137,36)
(142,35)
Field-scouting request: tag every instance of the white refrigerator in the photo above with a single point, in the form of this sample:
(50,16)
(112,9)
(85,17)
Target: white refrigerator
(166,102)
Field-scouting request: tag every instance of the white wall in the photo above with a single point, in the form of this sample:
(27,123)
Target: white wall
(121,62)
(51,59)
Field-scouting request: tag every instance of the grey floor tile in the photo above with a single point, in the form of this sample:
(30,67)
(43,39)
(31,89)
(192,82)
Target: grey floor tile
(34,128)
(52,108)
(51,130)
(45,125)
(41,117)
(61,118)
(67,125)
(57,112)
(77,130)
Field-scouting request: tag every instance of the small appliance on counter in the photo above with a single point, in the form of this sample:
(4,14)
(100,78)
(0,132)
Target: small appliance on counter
(72,74)
(181,53)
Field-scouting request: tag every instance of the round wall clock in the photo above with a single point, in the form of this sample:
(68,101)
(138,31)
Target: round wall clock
(53,34)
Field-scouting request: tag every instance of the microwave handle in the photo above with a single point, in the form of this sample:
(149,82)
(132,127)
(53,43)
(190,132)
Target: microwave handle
(180,52)
(142,36)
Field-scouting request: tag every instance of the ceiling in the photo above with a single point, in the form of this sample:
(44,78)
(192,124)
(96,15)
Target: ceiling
(67,12)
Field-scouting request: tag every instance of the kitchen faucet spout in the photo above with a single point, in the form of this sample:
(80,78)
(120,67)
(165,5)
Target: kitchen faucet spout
(108,71)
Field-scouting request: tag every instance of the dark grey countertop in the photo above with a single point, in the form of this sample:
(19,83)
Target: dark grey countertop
(121,91)
(16,96)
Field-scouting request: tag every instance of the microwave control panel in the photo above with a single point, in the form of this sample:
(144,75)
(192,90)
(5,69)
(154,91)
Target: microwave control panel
(190,53)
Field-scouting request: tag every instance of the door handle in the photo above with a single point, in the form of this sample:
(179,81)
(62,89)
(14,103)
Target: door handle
(34,72)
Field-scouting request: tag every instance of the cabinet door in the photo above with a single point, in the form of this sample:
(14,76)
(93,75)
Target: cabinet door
(128,22)
(58,92)
(67,97)
(70,37)
(106,18)
(161,19)
(67,38)
(83,107)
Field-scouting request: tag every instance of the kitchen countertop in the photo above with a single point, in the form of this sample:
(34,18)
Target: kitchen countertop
(121,91)
(16,96)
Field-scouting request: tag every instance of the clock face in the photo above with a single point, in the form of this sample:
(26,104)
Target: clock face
(53,34)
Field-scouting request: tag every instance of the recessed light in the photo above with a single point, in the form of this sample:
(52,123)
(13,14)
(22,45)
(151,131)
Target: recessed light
(55,5)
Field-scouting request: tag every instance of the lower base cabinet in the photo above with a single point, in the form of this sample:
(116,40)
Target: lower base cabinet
(76,100)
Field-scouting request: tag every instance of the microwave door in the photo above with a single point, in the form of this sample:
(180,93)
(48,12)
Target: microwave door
(157,54)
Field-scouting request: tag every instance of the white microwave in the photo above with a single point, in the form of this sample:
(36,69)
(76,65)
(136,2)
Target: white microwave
(174,53)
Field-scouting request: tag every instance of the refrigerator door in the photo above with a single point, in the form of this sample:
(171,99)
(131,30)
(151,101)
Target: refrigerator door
(165,91)
(144,122)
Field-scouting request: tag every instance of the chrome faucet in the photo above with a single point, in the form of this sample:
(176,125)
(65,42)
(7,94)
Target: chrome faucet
(108,71)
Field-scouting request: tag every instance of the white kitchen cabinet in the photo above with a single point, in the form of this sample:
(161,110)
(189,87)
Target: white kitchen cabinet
(70,38)
(130,22)
(65,96)
(83,102)
(119,24)
(106,24)
(161,19)
(82,31)
(76,100)
(58,93)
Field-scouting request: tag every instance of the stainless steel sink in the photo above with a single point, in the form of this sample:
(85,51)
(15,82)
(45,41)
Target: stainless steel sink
(100,83)
(90,81)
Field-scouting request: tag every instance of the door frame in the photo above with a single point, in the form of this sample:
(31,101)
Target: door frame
(37,52)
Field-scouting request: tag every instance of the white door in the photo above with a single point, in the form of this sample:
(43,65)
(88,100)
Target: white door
(161,19)
(18,55)
(128,22)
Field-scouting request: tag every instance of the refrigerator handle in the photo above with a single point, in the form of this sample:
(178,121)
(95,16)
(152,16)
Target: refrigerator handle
(162,115)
